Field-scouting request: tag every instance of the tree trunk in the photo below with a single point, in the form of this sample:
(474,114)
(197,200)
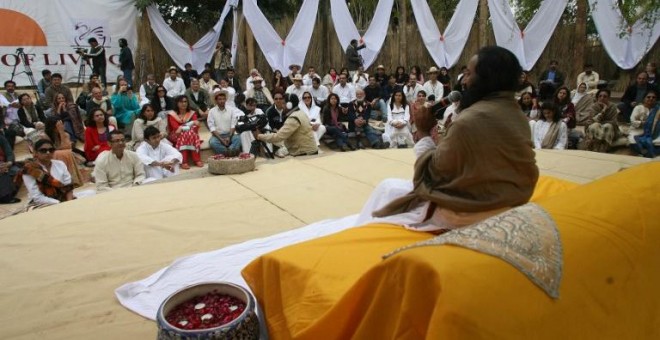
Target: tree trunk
(579,39)
(483,22)
(323,16)
(403,32)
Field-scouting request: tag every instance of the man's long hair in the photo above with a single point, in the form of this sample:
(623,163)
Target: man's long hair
(497,69)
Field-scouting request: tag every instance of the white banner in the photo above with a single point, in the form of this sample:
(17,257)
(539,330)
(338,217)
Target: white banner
(375,35)
(50,30)
(527,45)
(445,49)
(281,53)
(179,50)
(626,49)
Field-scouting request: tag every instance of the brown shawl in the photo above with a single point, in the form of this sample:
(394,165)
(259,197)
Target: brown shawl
(582,114)
(551,136)
(485,162)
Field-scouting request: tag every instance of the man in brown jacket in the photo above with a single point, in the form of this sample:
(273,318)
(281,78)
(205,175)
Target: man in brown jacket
(296,133)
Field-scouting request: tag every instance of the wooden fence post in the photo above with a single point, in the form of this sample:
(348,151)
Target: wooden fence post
(580,38)
(403,33)
(483,21)
(249,43)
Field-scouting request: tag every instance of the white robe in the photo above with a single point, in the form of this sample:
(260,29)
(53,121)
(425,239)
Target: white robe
(395,136)
(314,114)
(163,153)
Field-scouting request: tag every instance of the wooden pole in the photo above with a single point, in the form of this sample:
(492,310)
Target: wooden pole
(580,38)
(249,42)
(483,22)
(403,32)
(323,15)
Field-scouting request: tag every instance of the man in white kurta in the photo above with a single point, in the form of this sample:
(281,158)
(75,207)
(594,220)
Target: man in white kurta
(173,84)
(345,91)
(160,159)
(118,168)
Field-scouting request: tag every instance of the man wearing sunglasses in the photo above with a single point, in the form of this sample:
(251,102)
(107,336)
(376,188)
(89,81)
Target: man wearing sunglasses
(47,180)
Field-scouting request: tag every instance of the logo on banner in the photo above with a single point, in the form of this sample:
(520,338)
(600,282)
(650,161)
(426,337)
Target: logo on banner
(85,29)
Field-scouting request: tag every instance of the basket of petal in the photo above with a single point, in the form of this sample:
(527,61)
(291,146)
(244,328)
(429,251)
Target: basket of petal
(219,310)
(224,165)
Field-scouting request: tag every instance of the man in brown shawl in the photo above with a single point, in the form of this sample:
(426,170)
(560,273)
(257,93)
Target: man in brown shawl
(485,163)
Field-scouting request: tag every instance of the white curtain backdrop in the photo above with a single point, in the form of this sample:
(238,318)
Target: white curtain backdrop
(281,53)
(626,51)
(530,43)
(445,49)
(234,35)
(375,35)
(181,52)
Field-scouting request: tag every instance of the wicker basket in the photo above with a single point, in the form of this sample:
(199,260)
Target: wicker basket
(230,166)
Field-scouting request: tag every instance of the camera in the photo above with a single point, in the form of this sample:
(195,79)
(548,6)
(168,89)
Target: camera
(81,50)
(251,123)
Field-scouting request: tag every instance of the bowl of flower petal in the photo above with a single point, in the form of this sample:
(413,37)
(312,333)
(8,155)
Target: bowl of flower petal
(213,310)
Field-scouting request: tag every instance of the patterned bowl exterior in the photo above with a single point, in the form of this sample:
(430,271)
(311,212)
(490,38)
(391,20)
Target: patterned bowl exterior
(245,327)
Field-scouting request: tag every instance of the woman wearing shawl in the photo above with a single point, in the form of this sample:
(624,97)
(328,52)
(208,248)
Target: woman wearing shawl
(184,131)
(566,109)
(308,106)
(69,115)
(582,101)
(647,143)
(639,116)
(47,180)
(148,117)
(550,132)
(603,128)
(59,138)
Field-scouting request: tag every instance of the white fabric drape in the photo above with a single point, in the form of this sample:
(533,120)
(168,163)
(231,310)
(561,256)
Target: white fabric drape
(234,35)
(281,53)
(445,49)
(527,45)
(628,50)
(375,35)
(181,52)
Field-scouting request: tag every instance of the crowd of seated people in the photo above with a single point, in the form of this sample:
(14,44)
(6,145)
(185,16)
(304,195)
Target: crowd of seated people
(346,110)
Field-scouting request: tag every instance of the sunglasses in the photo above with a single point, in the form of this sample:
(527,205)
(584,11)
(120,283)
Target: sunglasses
(47,150)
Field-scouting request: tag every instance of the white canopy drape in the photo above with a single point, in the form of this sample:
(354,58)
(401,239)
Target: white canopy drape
(375,35)
(181,52)
(445,49)
(626,50)
(527,45)
(281,53)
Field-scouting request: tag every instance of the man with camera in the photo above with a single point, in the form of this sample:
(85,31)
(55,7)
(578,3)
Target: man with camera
(296,132)
(97,54)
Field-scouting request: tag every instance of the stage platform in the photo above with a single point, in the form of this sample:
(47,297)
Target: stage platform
(60,265)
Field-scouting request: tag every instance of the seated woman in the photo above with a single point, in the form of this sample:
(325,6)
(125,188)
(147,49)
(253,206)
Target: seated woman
(397,128)
(528,106)
(47,180)
(69,115)
(550,132)
(332,113)
(603,128)
(567,112)
(147,117)
(59,139)
(638,120)
(162,103)
(525,86)
(97,134)
(308,106)
(184,131)
(125,106)
(581,100)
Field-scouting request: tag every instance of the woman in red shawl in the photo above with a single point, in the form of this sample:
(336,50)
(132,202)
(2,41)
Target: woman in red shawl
(183,128)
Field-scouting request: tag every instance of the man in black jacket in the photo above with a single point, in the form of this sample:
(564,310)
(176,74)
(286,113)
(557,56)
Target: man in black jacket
(126,63)
(233,80)
(353,59)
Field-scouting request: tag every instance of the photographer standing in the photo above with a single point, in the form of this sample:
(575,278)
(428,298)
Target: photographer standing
(97,54)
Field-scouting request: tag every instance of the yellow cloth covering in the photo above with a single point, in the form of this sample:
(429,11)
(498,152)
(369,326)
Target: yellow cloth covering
(338,287)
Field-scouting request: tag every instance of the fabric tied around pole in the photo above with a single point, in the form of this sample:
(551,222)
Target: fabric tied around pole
(180,51)
(526,237)
(527,45)
(625,47)
(445,49)
(375,35)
